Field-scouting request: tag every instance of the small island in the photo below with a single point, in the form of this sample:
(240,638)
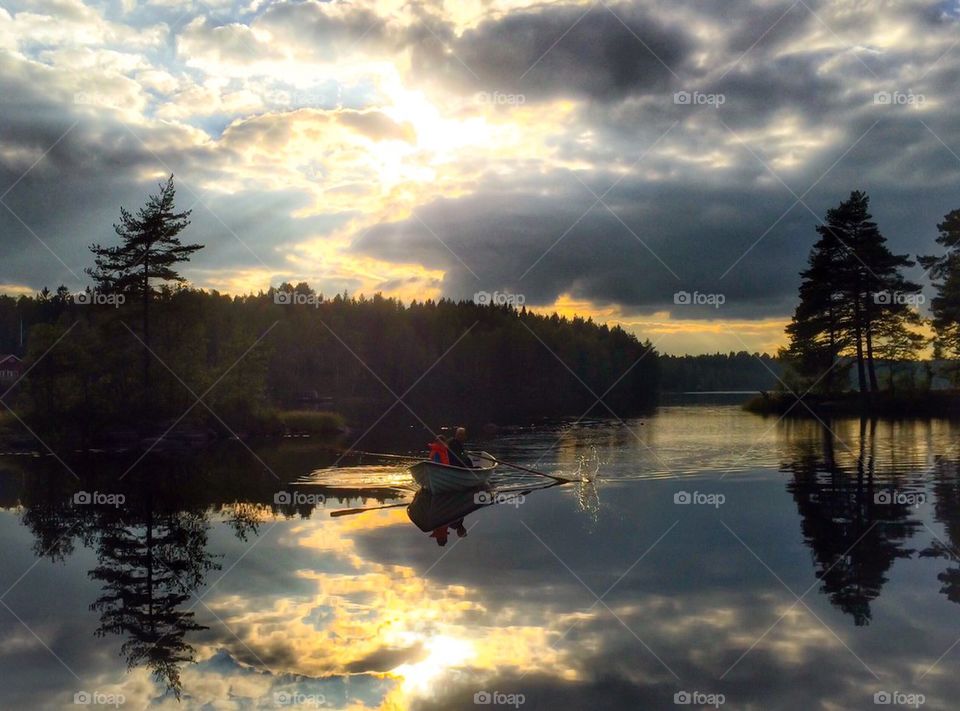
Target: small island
(858,343)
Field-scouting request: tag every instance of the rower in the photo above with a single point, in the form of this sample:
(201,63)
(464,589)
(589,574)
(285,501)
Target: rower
(458,455)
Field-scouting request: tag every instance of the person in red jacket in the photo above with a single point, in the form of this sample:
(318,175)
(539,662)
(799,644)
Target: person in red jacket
(438,450)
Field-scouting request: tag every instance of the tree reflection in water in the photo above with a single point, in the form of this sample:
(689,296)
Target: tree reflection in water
(854,538)
(946,511)
(150,562)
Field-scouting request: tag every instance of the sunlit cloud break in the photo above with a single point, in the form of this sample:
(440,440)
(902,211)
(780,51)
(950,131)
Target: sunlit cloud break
(607,154)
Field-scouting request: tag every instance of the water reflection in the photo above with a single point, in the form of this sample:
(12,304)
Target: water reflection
(366,610)
(150,562)
(151,556)
(946,508)
(443,515)
(853,535)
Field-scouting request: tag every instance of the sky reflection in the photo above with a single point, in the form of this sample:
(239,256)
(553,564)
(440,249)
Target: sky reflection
(797,588)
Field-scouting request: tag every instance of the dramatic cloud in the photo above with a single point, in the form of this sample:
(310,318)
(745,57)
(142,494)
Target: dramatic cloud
(429,151)
(562,51)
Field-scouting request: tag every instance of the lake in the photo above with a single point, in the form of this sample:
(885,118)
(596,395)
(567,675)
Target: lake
(716,559)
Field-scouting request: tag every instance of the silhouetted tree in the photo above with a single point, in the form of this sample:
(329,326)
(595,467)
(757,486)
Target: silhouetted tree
(149,249)
(944,271)
(816,332)
(853,297)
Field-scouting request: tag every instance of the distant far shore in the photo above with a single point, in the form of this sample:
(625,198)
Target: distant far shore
(933,403)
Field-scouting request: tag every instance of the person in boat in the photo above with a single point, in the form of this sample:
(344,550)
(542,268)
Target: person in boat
(457,454)
(439,451)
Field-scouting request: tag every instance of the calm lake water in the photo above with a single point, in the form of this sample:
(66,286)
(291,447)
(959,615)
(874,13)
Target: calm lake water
(717,557)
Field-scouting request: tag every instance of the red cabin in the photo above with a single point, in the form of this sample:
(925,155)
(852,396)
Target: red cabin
(11,368)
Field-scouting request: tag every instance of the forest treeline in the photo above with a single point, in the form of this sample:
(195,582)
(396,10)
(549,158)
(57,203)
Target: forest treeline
(720,371)
(290,348)
(246,356)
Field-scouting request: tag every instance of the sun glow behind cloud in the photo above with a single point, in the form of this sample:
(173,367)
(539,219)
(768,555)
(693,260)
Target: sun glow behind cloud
(325,121)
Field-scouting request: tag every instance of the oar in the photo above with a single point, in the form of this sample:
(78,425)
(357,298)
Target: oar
(349,512)
(407,457)
(564,480)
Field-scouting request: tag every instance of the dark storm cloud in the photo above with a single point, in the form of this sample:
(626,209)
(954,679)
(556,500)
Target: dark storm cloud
(385,658)
(791,84)
(724,217)
(515,239)
(553,51)
(738,231)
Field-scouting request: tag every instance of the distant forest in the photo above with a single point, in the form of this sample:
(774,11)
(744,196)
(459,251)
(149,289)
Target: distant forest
(291,348)
(720,371)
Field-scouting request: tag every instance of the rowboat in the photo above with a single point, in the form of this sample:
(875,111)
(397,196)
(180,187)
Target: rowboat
(439,478)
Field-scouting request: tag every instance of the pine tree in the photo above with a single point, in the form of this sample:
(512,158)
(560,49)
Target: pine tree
(817,336)
(944,271)
(853,298)
(883,292)
(148,251)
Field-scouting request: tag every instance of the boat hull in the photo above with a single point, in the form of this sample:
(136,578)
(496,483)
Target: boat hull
(441,478)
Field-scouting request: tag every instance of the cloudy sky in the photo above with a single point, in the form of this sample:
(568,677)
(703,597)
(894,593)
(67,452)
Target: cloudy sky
(593,158)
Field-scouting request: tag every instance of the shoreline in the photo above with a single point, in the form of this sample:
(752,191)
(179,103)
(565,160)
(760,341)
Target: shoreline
(934,403)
